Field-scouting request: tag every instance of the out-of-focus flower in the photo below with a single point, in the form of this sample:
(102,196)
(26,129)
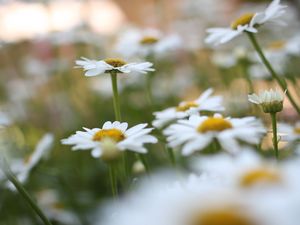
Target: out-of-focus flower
(227,59)
(278,54)
(94,67)
(198,132)
(54,209)
(147,42)
(75,36)
(205,103)
(4,120)
(199,201)
(248,170)
(292,46)
(132,139)
(22,167)
(224,59)
(289,133)
(270,101)
(248,22)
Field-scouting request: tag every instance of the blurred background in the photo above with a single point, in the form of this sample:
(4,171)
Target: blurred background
(41,91)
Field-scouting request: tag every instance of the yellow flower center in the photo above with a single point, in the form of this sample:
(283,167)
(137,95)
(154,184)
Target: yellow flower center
(277,45)
(115,62)
(259,176)
(148,40)
(242,20)
(214,124)
(297,130)
(222,217)
(113,134)
(185,106)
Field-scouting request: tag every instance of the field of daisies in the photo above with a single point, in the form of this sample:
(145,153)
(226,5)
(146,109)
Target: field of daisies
(194,121)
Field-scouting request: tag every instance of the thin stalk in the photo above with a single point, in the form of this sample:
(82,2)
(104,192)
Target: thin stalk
(171,155)
(149,81)
(114,83)
(116,102)
(125,160)
(282,83)
(274,128)
(113,181)
(10,176)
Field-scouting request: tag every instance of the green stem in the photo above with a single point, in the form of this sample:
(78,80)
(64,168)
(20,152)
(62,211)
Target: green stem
(113,182)
(274,128)
(149,81)
(10,176)
(171,155)
(116,102)
(117,110)
(125,162)
(282,83)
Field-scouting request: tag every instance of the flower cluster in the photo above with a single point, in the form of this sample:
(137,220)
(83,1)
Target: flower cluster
(157,129)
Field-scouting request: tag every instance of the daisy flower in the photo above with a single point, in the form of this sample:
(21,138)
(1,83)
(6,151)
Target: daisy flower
(146,42)
(248,22)
(270,101)
(94,67)
(198,202)
(249,171)
(204,103)
(111,137)
(198,132)
(246,169)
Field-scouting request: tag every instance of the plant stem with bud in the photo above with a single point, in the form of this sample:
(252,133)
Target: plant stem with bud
(282,83)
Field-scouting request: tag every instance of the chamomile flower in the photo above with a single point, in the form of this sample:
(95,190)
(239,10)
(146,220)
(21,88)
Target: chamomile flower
(270,101)
(111,138)
(94,67)
(245,170)
(248,22)
(249,171)
(198,132)
(146,42)
(205,103)
(198,202)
